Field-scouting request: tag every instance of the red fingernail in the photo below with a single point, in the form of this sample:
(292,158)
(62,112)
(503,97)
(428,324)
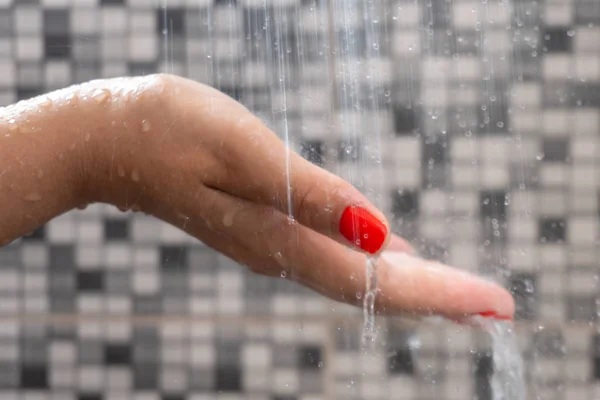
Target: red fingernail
(494,315)
(362,229)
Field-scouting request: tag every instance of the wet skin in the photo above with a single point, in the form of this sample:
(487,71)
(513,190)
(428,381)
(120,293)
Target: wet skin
(195,158)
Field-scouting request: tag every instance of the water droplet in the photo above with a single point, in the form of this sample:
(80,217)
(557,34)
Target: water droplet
(40,174)
(359,295)
(121,171)
(283,274)
(135,176)
(33,196)
(87,137)
(46,103)
(146,126)
(101,95)
(228,219)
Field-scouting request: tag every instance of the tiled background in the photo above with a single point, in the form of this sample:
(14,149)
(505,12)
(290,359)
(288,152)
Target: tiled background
(485,116)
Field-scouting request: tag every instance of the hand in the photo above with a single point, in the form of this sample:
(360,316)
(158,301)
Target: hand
(195,158)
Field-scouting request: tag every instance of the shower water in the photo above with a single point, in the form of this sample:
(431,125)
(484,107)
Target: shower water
(508,381)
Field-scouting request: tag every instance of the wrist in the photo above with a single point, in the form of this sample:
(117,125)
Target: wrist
(118,145)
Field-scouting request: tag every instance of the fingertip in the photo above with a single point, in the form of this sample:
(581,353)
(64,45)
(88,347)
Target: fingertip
(363,229)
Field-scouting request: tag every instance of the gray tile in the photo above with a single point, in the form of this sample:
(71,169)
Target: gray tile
(284,356)
(90,352)
(118,282)
(34,352)
(6,23)
(202,380)
(9,375)
(62,258)
(56,21)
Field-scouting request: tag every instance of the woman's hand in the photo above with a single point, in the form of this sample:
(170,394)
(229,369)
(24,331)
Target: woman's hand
(195,158)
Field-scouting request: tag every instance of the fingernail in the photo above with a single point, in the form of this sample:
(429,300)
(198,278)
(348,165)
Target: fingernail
(494,315)
(363,229)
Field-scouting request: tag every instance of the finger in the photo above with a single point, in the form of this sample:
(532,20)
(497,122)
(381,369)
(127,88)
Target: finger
(406,284)
(397,243)
(263,170)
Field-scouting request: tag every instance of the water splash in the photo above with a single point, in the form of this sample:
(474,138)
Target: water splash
(369,332)
(508,380)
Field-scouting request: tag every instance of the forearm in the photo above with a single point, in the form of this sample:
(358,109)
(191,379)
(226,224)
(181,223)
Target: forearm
(50,147)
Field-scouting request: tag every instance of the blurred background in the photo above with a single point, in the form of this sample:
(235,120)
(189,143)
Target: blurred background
(474,124)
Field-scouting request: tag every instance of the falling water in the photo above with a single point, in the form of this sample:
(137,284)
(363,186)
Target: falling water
(508,380)
(369,332)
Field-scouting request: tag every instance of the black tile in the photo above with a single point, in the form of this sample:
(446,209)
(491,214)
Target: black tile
(141,68)
(116,229)
(57,46)
(90,281)
(90,396)
(313,151)
(406,120)
(484,369)
(287,397)
(401,362)
(28,93)
(117,354)
(552,230)
(596,345)
(228,379)
(557,40)
(34,377)
(405,203)
(556,150)
(173,21)
(309,357)
(111,2)
(174,257)
(172,397)
(493,204)
(523,288)
(38,235)
(596,365)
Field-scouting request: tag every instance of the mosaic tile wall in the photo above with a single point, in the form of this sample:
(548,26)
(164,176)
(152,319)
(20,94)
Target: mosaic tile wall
(490,116)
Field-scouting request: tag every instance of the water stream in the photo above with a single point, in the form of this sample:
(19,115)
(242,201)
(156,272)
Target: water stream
(508,380)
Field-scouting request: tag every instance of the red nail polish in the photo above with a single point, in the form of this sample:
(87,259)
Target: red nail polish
(494,315)
(362,229)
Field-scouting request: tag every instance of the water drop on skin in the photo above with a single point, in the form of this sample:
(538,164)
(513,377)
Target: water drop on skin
(33,197)
(101,96)
(121,171)
(283,274)
(46,103)
(87,137)
(146,126)
(40,174)
(135,176)
(228,219)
